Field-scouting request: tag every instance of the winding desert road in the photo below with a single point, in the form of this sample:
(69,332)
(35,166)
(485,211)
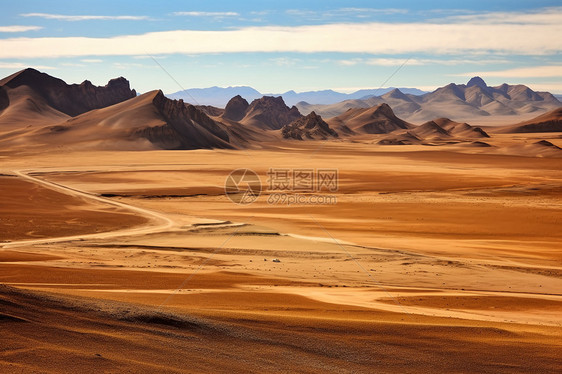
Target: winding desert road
(158,222)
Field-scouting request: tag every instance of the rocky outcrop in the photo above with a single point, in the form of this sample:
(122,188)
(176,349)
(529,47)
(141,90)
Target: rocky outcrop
(236,108)
(270,113)
(186,127)
(73,99)
(310,127)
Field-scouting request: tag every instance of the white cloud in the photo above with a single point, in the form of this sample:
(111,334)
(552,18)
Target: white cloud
(421,61)
(548,71)
(207,14)
(19,28)
(360,11)
(545,16)
(371,38)
(62,17)
(20,66)
(92,60)
(343,12)
(285,61)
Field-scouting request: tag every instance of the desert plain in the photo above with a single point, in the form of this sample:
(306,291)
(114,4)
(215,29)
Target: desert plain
(433,259)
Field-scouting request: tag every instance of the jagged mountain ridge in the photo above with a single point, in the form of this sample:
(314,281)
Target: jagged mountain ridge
(469,101)
(73,99)
(219,96)
(266,113)
(148,121)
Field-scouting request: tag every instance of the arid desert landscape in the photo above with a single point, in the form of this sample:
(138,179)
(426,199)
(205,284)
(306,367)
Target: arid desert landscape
(439,250)
(281,187)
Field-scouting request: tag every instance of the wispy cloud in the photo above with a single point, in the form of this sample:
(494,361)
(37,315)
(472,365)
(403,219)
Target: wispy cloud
(358,13)
(420,61)
(544,16)
(547,71)
(21,65)
(19,28)
(285,61)
(207,14)
(92,60)
(62,17)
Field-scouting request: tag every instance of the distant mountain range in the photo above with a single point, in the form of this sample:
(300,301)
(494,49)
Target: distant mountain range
(219,96)
(40,112)
(464,102)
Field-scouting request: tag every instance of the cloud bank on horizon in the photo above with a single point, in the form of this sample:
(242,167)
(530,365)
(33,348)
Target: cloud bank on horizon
(287,46)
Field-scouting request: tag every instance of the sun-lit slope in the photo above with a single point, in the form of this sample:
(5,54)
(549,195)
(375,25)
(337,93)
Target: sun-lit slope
(22,107)
(149,121)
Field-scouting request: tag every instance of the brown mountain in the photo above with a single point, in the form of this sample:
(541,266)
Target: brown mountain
(473,101)
(149,121)
(548,122)
(458,129)
(438,131)
(236,108)
(269,113)
(71,99)
(430,129)
(310,127)
(376,120)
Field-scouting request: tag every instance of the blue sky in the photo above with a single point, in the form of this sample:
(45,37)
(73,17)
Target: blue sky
(275,46)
